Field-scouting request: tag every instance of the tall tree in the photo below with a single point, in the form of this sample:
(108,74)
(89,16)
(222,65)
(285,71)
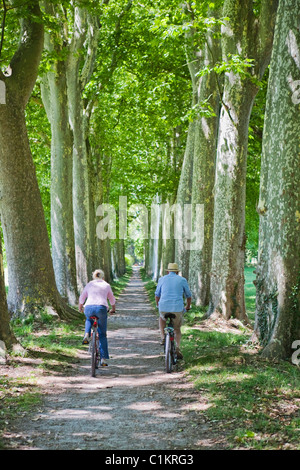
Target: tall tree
(6,335)
(55,99)
(203,179)
(30,270)
(78,72)
(278,271)
(246,36)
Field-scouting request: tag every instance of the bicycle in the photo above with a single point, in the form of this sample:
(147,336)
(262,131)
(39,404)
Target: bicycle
(170,348)
(94,347)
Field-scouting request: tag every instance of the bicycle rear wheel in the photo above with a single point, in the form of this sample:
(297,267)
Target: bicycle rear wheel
(168,354)
(94,355)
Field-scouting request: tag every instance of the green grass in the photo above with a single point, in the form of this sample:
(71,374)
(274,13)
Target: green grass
(53,344)
(253,402)
(17,398)
(250,292)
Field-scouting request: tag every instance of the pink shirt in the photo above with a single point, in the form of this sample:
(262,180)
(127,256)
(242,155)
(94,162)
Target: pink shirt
(97,292)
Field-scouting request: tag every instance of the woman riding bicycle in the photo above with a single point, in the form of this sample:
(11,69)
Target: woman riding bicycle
(95,295)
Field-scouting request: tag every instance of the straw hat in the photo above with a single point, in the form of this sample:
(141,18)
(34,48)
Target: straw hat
(173,267)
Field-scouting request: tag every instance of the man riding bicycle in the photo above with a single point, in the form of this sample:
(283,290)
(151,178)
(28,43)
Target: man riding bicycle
(169,299)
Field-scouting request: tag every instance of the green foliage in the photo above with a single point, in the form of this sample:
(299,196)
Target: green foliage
(39,134)
(129,260)
(144,95)
(250,400)
(250,292)
(10,27)
(234,63)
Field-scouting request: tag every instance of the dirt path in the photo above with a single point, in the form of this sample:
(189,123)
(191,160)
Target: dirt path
(133,404)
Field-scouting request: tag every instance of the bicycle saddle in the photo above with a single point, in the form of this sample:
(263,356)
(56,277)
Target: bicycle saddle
(169,315)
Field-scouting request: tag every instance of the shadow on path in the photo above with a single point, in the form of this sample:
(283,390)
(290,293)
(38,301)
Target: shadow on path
(130,405)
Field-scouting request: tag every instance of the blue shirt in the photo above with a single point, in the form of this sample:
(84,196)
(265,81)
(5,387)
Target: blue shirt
(171,289)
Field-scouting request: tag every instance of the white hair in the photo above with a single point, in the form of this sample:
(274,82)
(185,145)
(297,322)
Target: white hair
(98,274)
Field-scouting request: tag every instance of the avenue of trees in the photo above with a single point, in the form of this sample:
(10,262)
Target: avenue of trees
(117,106)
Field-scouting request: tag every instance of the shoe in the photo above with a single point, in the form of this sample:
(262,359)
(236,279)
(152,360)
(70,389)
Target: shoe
(179,354)
(103,363)
(86,339)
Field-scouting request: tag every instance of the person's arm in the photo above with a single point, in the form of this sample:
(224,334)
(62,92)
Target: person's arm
(158,291)
(82,299)
(187,294)
(112,301)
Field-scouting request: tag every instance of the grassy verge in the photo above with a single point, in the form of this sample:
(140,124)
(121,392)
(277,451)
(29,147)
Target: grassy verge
(51,348)
(254,403)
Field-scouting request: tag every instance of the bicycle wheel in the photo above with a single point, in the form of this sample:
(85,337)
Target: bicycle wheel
(168,354)
(98,355)
(173,353)
(94,355)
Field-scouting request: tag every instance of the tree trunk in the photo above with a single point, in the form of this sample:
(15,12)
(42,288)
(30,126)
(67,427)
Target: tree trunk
(175,157)
(188,180)
(30,270)
(168,240)
(206,130)
(54,94)
(278,275)
(6,336)
(244,36)
(184,196)
(78,74)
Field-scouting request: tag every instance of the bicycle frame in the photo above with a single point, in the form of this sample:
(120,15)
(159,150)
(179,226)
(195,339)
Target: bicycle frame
(94,347)
(170,349)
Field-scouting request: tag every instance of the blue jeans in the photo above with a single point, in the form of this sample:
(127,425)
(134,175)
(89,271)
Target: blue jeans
(99,311)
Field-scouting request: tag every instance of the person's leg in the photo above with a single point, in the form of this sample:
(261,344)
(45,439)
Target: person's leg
(177,333)
(102,329)
(162,326)
(88,312)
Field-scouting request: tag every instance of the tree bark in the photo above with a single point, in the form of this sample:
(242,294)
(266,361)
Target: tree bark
(243,35)
(85,29)
(184,196)
(278,275)
(30,270)
(54,94)
(205,145)
(197,176)
(6,335)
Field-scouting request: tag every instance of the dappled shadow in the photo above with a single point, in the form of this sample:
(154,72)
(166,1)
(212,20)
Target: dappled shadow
(132,404)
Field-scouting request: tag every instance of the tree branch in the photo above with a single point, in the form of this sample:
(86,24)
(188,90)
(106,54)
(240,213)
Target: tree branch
(26,59)
(92,42)
(117,33)
(3,25)
(266,33)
